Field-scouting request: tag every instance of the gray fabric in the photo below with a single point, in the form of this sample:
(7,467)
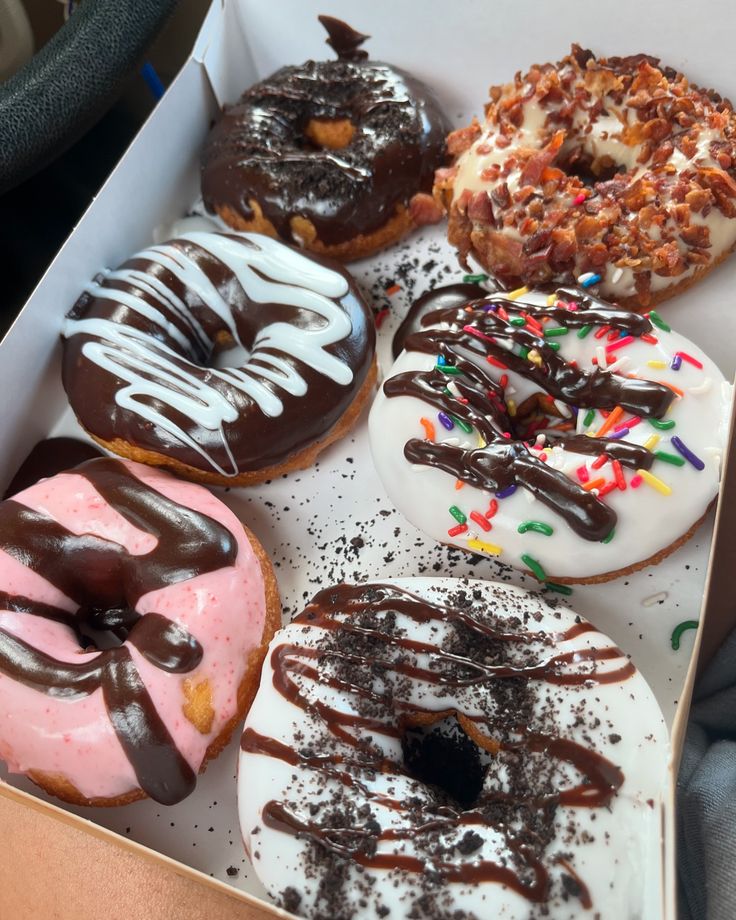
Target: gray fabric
(706,795)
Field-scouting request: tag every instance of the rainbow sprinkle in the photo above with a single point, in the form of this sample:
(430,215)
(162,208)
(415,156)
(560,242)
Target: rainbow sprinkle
(583,331)
(684,356)
(448,369)
(651,480)
(484,547)
(474,279)
(456,531)
(661,425)
(687,453)
(480,520)
(428,428)
(560,589)
(457,514)
(537,527)
(445,421)
(669,458)
(679,630)
(658,365)
(534,566)
(519,292)
(588,280)
(658,321)
(505,493)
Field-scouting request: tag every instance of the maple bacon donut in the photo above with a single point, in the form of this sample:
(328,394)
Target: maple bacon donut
(440,749)
(335,156)
(135,610)
(618,167)
(141,348)
(555,432)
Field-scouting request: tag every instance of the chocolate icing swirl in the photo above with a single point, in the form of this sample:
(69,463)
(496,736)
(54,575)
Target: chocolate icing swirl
(107,582)
(464,333)
(365,651)
(260,150)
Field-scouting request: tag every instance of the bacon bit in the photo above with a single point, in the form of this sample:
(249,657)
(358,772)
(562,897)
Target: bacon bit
(536,164)
(459,141)
(423,209)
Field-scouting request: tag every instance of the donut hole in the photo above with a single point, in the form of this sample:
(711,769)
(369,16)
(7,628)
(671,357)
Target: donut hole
(443,756)
(100,628)
(588,169)
(330,135)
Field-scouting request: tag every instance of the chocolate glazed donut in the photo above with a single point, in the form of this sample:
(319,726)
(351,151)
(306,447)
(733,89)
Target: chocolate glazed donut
(338,156)
(141,342)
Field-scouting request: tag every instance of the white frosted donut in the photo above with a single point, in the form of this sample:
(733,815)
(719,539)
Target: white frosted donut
(487,449)
(617,166)
(362,795)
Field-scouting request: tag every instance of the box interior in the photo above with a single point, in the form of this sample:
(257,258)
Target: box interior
(157,182)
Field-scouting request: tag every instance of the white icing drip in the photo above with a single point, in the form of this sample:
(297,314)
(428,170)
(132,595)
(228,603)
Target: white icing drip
(268,272)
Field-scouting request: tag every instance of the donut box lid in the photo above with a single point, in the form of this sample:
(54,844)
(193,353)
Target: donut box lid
(81,863)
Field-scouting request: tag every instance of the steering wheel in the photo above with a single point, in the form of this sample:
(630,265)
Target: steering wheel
(72,81)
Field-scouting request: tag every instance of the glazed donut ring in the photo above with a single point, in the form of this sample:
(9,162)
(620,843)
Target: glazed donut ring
(116,549)
(335,156)
(438,748)
(556,433)
(141,345)
(614,166)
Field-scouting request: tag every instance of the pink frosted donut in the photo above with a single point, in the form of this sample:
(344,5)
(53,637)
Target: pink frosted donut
(135,611)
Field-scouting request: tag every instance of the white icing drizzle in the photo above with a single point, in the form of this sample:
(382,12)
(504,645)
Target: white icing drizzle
(268,272)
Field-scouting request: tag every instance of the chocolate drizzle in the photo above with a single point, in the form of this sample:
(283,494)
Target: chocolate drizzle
(390,680)
(49,457)
(438,299)
(465,334)
(260,150)
(107,581)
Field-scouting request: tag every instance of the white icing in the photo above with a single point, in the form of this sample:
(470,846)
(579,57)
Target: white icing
(268,272)
(599,136)
(616,851)
(648,521)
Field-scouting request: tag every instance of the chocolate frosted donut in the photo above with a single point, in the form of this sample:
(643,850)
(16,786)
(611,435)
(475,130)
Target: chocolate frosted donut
(337,156)
(440,749)
(141,345)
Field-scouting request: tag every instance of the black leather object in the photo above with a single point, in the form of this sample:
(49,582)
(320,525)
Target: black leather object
(72,81)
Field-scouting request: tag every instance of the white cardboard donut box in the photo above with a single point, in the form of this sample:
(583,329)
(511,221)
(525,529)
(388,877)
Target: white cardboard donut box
(148,861)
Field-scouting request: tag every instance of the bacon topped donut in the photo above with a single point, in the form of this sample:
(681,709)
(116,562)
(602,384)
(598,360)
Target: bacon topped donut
(616,166)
